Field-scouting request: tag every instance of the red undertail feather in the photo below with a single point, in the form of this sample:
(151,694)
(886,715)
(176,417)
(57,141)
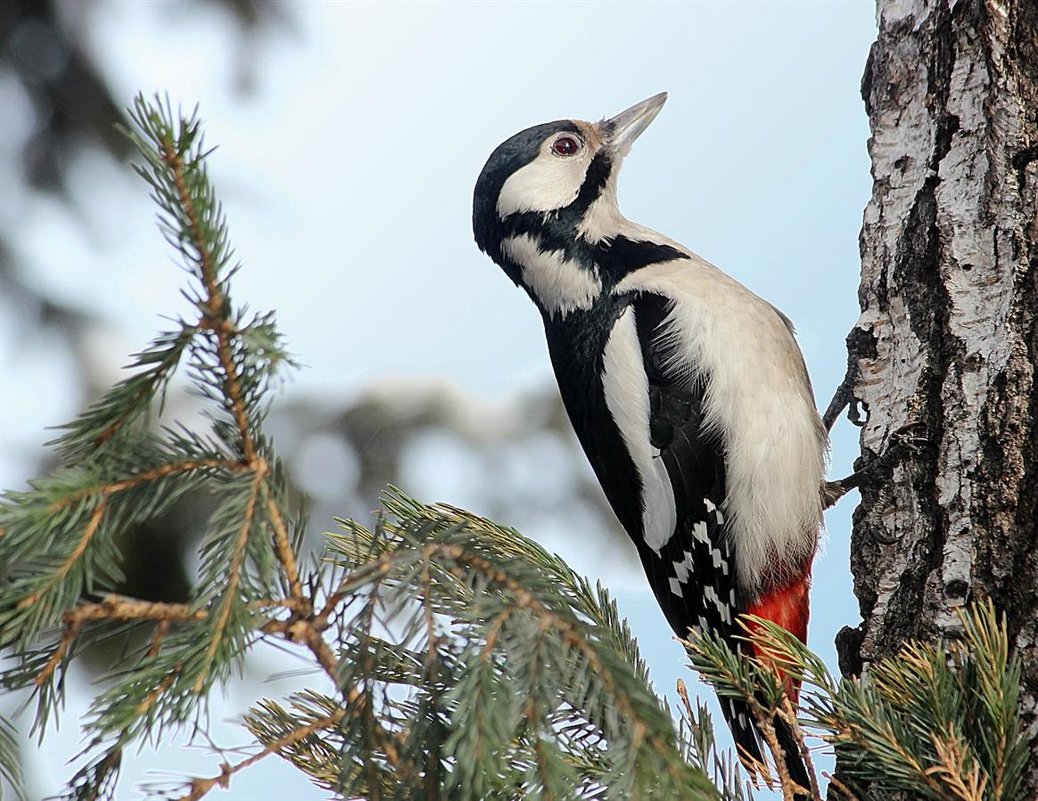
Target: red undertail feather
(787,606)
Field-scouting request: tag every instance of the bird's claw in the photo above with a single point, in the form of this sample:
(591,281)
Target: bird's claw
(906,437)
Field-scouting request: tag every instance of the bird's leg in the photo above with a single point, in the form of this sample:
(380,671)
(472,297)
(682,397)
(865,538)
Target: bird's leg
(903,438)
(832,491)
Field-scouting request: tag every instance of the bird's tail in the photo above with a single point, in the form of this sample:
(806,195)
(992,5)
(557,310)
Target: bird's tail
(748,742)
(787,606)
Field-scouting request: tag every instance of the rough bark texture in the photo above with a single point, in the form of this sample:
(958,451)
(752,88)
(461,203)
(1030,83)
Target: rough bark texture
(946,342)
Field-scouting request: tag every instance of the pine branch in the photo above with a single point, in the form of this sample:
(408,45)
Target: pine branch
(285,742)
(112,608)
(701,749)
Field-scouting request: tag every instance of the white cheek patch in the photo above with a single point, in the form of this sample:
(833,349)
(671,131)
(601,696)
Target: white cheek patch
(626,388)
(547,183)
(560,285)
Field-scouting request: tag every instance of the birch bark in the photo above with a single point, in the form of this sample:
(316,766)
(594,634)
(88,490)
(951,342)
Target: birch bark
(947,341)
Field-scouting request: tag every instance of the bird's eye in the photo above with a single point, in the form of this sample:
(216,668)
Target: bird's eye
(565,146)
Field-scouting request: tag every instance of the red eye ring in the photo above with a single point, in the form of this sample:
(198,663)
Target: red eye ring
(565,146)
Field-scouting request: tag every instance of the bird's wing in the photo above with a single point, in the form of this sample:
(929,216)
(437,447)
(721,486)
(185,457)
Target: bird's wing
(690,560)
(692,572)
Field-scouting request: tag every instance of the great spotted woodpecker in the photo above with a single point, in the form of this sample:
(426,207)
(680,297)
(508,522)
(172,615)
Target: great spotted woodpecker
(687,391)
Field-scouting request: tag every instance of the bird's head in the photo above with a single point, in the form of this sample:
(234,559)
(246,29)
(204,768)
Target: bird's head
(547,196)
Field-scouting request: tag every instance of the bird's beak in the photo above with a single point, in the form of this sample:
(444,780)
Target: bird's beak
(619,132)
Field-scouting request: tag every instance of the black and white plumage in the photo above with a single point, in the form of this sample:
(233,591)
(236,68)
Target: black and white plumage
(687,392)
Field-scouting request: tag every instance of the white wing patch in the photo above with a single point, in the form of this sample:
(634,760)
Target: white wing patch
(626,389)
(560,285)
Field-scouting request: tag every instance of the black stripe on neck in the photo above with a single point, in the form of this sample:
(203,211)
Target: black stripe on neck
(611,259)
(557,230)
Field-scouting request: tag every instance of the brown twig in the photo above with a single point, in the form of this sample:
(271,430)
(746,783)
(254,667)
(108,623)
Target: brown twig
(286,556)
(766,727)
(67,638)
(304,632)
(233,575)
(199,787)
(115,607)
(267,603)
(119,607)
(843,788)
(214,302)
(789,714)
(157,636)
(150,699)
(329,607)
(683,695)
(114,487)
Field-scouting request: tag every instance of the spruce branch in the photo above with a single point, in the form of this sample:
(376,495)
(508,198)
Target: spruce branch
(539,696)
(757,682)
(114,608)
(58,541)
(10,762)
(789,714)
(130,402)
(938,721)
(701,748)
(201,787)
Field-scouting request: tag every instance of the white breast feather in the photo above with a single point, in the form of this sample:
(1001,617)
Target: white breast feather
(759,399)
(560,285)
(626,389)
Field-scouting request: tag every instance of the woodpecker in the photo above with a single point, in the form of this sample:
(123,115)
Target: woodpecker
(687,392)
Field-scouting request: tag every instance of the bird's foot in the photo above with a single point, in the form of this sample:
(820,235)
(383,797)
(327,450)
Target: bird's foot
(906,437)
(843,398)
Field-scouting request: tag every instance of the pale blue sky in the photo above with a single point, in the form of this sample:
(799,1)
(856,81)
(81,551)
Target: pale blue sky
(347,180)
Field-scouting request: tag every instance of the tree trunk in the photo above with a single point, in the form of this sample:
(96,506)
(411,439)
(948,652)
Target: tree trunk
(947,345)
